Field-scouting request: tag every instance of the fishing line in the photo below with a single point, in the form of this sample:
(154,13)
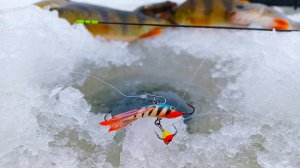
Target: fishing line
(106,83)
(191,81)
(207,114)
(144,96)
(153,97)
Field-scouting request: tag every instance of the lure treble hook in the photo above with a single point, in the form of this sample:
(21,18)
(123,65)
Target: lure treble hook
(167,137)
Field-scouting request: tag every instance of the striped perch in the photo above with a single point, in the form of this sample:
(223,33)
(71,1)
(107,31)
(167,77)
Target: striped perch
(158,111)
(73,11)
(194,12)
(231,13)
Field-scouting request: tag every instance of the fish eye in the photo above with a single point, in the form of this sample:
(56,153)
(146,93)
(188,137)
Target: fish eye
(240,6)
(172,108)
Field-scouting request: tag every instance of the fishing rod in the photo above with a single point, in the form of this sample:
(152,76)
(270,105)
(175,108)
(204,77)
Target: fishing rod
(82,21)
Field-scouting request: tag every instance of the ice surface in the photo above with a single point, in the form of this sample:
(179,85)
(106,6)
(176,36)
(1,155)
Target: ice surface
(37,54)
(266,68)
(43,125)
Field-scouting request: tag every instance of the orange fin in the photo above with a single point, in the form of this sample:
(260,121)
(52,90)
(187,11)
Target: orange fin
(281,24)
(151,33)
(120,125)
(120,117)
(109,122)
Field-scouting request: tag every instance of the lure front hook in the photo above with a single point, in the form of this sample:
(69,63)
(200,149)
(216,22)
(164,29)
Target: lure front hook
(192,107)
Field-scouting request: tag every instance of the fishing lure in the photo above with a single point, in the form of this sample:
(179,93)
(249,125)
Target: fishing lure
(167,137)
(158,111)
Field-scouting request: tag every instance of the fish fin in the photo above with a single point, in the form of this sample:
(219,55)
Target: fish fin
(151,33)
(98,29)
(281,24)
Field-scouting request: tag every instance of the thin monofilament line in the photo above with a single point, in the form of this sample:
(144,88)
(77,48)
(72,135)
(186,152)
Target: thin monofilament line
(144,96)
(94,77)
(236,115)
(191,81)
(106,83)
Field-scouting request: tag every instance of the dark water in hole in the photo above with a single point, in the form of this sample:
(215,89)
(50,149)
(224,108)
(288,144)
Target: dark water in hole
(162,74)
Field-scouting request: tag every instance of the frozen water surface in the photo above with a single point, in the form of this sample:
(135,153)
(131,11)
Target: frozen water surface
(49,116)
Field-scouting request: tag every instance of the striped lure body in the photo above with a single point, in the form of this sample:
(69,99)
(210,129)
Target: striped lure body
(158,111)
(72,11)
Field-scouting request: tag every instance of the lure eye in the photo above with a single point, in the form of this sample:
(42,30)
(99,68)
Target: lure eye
(172,108)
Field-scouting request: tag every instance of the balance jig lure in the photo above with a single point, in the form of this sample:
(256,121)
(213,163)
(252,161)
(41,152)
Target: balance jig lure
(158,111)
